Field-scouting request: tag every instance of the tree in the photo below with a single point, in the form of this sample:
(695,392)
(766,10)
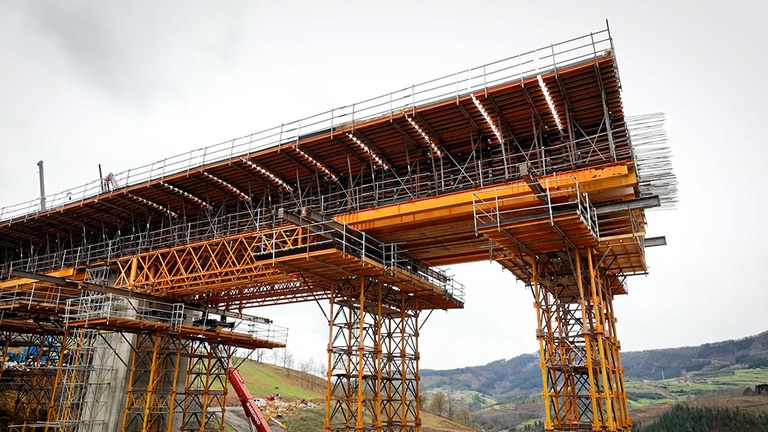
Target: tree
(322,369)
(286,358)
(437,402)
(307,366)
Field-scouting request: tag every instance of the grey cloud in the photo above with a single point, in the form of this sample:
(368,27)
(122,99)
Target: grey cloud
(142,50)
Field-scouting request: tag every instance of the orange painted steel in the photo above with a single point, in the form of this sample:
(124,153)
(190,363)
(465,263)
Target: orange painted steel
(594,181)
(373,357)
(582,378)
(213,271)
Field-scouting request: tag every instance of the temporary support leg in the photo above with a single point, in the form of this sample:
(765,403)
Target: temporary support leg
(151,389)
(353,396)
(141,380)
(408,417)
(583,384)
(373,342)
(205,386)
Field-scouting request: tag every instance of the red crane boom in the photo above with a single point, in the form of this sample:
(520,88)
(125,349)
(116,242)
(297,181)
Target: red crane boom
(246,398)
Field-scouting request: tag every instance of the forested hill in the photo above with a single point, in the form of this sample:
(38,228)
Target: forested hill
(520,376)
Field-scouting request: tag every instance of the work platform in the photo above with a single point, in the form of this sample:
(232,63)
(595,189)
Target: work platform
(528,161)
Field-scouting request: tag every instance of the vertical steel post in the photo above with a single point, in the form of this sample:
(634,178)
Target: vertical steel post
(42,185)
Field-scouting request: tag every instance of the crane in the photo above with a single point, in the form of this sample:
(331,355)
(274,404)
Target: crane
(246,399)
(258,422)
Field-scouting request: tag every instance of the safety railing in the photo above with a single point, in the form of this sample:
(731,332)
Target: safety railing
(381,192)
(511,204)
(132,244)
(270,238)
(93,309)
(393,257)
(472,80)
(34,295)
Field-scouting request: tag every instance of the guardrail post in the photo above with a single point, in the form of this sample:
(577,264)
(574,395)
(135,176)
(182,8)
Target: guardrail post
(498,212)
(549,203)
(362,253)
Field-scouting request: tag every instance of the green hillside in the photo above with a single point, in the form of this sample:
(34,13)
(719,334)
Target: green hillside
(265,379)
(505,394)
(520,376)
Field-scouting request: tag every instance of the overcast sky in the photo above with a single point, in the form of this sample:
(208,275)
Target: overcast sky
(127,83)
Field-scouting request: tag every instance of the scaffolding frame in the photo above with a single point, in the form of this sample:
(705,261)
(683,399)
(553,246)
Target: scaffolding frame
(373,355)
(175,365)
(582,377)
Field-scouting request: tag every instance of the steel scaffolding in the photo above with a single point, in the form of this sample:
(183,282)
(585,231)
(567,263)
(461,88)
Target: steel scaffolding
(373,358)
(580,364)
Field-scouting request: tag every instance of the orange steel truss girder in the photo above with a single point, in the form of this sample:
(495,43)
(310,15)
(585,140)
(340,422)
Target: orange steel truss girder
(224,262)
(270,267)
(373,374)
(582,377)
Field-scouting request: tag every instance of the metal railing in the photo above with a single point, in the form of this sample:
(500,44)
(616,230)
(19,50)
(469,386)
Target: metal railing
(558,197)
(276,236)
(92,309)
(33,296)
(518,67)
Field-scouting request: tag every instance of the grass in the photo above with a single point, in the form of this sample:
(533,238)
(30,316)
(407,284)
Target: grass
(307,420)
(264,379)
(464,397)
(431,422)
(529,422)
(311,420)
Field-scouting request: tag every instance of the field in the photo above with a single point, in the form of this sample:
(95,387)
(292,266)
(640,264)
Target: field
(643,393)
(647,399)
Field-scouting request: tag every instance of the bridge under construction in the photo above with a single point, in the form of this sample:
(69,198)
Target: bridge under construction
(128,297)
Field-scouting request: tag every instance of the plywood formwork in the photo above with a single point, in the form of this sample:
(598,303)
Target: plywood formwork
(528,161)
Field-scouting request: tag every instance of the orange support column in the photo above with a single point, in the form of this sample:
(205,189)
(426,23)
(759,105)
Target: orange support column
(582,379)
(353,392)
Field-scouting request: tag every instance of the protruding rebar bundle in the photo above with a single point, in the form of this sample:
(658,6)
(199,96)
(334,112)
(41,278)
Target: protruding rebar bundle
(653,158)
